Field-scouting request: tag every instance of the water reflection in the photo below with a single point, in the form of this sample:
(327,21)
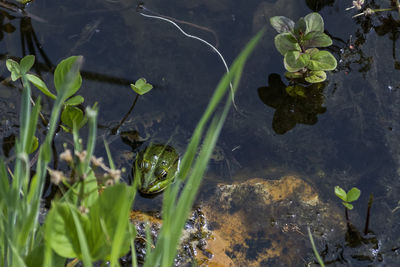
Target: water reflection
(292,109)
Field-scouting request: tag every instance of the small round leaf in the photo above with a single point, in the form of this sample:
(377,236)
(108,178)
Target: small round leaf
(322,60)
(295,61)
(315,76)
(282,24)
(314,22)
(340,193)
(353,194)
(285,42)
(26,63)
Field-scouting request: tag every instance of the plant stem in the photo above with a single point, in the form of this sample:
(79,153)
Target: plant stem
(371,199)
(116,128)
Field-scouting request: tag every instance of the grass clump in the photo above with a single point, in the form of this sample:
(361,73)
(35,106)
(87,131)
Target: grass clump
(85,225)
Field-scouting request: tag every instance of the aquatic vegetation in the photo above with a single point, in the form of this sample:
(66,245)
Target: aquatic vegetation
(90,222)
(141,86)
(292,104)
(298,43)
(71,114)
(351,196)
(320,261)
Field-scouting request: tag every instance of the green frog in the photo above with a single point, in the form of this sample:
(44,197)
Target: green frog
(155,168)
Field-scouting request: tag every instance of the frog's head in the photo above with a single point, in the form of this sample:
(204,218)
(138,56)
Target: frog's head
(155,168)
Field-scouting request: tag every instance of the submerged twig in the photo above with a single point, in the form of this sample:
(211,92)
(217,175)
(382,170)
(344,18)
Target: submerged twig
(196,38)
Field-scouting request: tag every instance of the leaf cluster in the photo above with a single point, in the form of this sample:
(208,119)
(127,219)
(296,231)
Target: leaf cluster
(352,195)
(298,43)
(85,224)
(141,86)
(71,114)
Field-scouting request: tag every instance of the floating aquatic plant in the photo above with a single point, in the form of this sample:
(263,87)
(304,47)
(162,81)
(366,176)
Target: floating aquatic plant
(298,43)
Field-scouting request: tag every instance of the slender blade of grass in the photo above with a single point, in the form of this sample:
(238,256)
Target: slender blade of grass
(320,261)
(174,217)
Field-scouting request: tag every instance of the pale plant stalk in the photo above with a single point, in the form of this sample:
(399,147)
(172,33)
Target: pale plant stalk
(201,40)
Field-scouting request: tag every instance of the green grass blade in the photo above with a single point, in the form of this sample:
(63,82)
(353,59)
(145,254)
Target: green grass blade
(121,228)
(174,217)
(320,261)
(109,156)
(86,258)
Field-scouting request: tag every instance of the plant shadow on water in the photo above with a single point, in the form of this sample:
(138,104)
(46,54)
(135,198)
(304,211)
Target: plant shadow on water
(291,110)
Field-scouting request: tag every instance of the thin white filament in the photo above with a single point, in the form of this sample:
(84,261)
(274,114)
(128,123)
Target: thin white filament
(201,40)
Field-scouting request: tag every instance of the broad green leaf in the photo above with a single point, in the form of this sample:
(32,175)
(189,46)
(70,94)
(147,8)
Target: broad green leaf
(300,28)
(314,22)
(316,39)
(322,60)
(315,76)
(286,42)
(26,63)
(14,68)
(72,114)
(60,74)
(141,86)
(39,84)
(91,191)
(340,193)
(75,100)
(353,194)
(295,61)
(60,230)
(140,82)
(104,216)
(293,75)
(282,24)
(348,205)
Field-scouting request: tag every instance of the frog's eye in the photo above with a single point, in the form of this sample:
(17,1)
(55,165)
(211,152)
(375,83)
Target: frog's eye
(161,174)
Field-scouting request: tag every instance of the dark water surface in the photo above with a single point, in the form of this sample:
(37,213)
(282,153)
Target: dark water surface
(346,135)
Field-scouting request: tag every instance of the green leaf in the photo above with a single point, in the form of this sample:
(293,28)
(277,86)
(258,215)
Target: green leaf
(295,61)
(141,87)
(14,68)
(340,193)
(39,84)
(105,216)
(60,230)
(353,194)
(71,115)
(286,42)
(300,28)
(293,75)
(35,145)
(348,205)
(91,191)
(315,76)
(314,22)
(282,24)
(60,74)
(316,39)
(26,63)
(75,100)
(322,60)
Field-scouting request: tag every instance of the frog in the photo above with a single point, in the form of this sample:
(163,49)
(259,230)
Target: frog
(155,168)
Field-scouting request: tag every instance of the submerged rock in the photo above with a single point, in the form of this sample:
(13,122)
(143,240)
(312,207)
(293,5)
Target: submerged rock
(264,223)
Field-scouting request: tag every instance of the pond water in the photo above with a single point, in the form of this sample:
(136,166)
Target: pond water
(346,134)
